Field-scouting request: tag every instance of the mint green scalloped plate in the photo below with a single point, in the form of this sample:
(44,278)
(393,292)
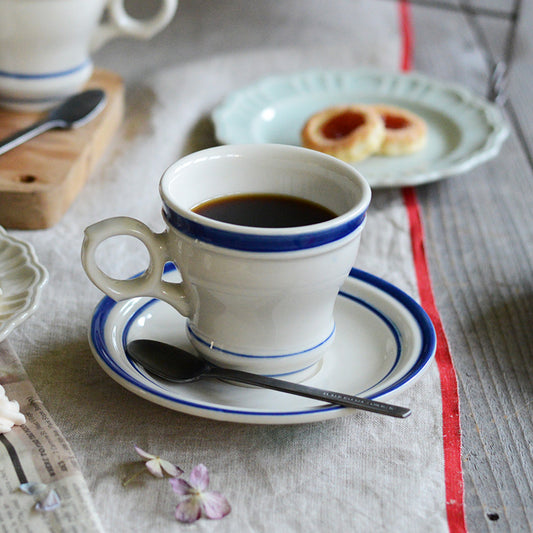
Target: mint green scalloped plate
(464,130)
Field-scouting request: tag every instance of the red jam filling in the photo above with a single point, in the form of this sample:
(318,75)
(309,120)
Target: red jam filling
(394,122)
(342,125)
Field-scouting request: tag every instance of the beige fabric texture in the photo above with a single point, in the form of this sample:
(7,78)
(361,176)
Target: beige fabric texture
(358,473)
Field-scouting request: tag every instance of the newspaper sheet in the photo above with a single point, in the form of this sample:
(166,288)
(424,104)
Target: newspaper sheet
(37,452)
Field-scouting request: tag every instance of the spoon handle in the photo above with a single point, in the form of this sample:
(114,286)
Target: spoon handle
(311,392)
(26,134)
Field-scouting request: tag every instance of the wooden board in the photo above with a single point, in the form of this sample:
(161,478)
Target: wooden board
(41,178)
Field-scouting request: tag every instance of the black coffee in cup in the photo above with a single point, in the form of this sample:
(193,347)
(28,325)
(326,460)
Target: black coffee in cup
(264,210)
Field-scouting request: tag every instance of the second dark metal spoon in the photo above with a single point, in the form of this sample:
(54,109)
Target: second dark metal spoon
(73,112)
(174,364)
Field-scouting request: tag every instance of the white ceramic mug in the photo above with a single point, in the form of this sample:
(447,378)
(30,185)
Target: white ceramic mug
(257,299)
(45,45)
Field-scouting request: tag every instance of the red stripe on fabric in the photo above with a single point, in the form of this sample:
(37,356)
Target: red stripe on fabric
(451,428)
(406,28)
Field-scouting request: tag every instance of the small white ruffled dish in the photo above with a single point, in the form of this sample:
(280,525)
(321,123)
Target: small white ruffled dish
(22,278)
(384,342)
(464,130)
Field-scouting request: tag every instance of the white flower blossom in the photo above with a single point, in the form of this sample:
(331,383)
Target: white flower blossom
(9,413)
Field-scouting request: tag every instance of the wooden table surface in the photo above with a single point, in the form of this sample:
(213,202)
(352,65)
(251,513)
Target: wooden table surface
(479,240)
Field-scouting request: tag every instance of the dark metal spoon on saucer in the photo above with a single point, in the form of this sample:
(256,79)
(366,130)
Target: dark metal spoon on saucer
(174,364)
(73,112)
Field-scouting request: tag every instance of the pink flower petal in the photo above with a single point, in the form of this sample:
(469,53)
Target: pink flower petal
(154,467)
(171,469)
(180,486)
(200,477)
(188,510)
(144,454)
(215,505)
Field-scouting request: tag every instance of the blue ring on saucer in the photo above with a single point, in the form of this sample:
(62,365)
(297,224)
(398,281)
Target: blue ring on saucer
(249,242)
(424,357)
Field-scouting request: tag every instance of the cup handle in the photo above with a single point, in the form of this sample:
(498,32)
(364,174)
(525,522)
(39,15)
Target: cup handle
(150,282)
(120,23)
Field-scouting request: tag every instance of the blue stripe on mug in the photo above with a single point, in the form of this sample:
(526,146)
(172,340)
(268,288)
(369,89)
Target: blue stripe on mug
(44,75)
(260,243)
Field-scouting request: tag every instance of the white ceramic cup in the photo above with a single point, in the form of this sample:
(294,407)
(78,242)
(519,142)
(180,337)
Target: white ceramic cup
(257,299)
(45,45)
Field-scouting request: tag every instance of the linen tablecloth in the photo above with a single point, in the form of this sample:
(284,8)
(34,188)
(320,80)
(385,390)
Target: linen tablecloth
(357,473)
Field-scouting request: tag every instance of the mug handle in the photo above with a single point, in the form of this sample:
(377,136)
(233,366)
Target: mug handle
(150,282)
(120,23)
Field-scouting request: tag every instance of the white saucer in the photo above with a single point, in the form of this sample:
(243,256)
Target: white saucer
(21,279)
(464,130)
(384,341)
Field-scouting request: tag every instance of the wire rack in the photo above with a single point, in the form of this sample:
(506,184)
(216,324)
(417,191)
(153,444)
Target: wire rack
(508,12)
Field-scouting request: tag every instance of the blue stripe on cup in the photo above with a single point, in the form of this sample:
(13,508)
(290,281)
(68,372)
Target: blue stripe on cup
(260,242)
(218,349)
